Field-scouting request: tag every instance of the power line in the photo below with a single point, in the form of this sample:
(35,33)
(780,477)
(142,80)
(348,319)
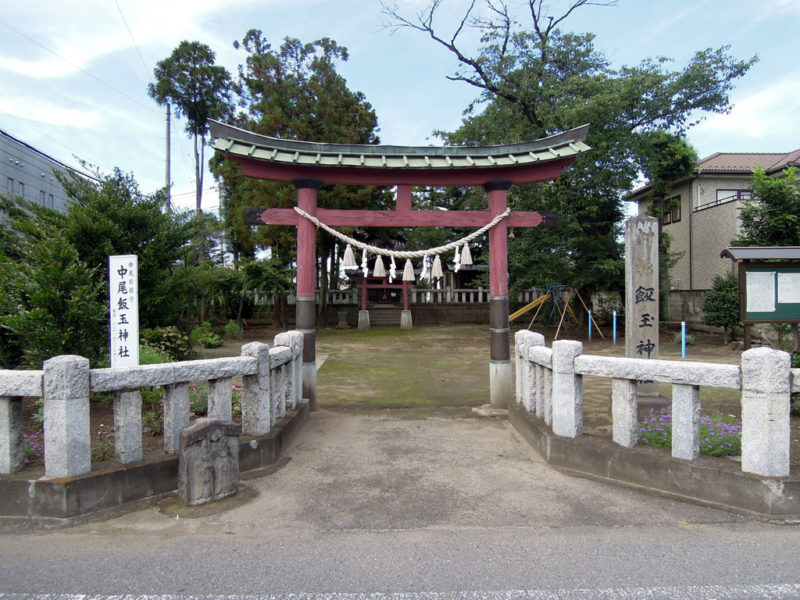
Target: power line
(78,67)
(130,33)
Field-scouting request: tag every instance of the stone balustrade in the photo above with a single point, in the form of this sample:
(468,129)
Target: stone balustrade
(417,296)
(271,384)
(549,383)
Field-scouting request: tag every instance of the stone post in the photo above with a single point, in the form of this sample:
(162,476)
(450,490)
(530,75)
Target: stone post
(624,413)
(11,443)
(685,421)
(527,384)
(66,416)
(567,389)
(176,415)
(127,426)
(294,341)
(766,401)
(220,399)
(256,391)
(642,293)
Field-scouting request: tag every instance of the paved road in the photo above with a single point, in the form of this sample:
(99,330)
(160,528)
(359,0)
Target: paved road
(430,509)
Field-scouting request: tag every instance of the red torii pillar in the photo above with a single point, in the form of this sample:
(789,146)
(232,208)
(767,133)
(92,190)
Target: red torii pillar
(306,300)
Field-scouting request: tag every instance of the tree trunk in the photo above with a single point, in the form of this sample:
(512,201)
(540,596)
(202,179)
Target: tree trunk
(198,173)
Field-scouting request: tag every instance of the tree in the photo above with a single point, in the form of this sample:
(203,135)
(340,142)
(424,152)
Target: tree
(110,215)
(772,217)
(533,80)
(199,90)
(50,301)
(721,303)
(666,158)
(293,92)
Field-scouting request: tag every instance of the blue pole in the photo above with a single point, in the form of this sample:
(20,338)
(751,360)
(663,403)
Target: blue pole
(615,327)
(590,325)
(683,339)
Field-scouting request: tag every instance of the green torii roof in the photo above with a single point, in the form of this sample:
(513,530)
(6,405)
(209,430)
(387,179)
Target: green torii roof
(239,142)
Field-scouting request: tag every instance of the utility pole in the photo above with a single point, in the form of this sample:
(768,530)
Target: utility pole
(167,182)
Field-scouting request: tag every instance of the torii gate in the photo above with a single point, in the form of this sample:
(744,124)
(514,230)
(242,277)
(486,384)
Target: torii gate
(309,165)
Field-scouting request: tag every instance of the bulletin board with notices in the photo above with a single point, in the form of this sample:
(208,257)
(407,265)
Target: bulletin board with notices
(769,292)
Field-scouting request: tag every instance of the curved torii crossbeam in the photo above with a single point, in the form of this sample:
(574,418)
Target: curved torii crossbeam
(309,165)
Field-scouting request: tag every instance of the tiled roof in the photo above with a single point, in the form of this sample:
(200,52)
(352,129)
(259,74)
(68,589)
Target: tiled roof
(235,141)
(746,162)
(734,163)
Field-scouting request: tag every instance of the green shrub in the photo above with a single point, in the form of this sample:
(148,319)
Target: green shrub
(150,355)
(721,303)
(169,340)
(205,336)
(232,330)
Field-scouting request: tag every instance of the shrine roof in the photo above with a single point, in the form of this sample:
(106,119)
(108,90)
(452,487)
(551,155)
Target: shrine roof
(248,145)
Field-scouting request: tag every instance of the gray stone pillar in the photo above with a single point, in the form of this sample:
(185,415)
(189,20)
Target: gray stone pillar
(406,322)
(176,415)
(11,443)
(685,421)
(567,389)
(294,341)
(641,293)
(363,319)
(256,391)
(66,416)
(220,399)
(766,401)
(127,426)
(526,380)
(624,414)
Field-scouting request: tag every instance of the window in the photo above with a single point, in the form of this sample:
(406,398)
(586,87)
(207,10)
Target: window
(676,211)
(731,195)
(672,210)
(10,188)
(41,197)
(51,201)
(21,190)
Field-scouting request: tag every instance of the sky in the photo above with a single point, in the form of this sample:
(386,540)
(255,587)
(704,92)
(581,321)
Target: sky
(74,73)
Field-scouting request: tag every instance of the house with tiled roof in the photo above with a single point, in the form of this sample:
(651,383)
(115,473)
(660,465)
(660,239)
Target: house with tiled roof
(703,212)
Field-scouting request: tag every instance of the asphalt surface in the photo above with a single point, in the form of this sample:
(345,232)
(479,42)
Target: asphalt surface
(375,506)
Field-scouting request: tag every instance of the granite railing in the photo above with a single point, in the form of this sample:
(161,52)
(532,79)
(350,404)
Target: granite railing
(549,383)
(416,296)
(271,384)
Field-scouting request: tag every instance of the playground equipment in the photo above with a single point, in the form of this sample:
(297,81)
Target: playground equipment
(562,296)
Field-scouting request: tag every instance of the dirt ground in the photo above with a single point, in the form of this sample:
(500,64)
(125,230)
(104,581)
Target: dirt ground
(431,371)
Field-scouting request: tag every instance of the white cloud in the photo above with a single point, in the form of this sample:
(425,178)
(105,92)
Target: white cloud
(761,121)
(768,9)
(43,111)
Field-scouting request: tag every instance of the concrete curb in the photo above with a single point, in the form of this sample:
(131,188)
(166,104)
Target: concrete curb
(65,498)
(707,480)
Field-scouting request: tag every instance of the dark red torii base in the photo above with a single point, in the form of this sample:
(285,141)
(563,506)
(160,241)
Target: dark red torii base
(309,165)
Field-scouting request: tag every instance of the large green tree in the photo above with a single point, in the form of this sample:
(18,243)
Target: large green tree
(293,92)
(772,217)
(532,79)
(199,90)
